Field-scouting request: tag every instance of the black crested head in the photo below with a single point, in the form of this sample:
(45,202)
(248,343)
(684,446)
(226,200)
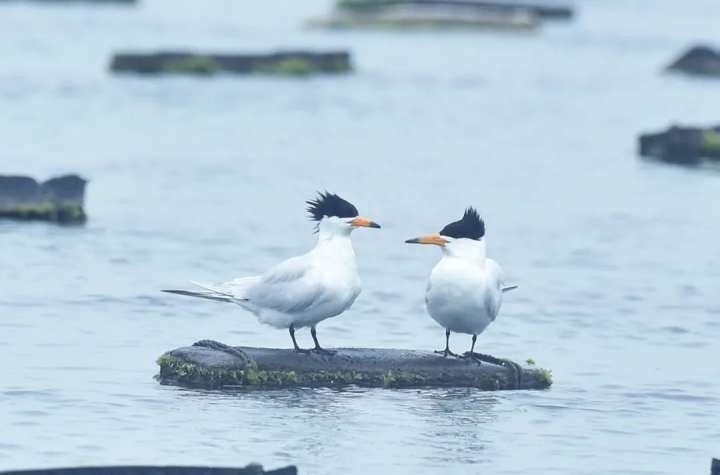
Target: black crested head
(329,204)
(471,226)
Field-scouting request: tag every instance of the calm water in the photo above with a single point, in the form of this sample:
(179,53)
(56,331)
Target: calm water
(618,259)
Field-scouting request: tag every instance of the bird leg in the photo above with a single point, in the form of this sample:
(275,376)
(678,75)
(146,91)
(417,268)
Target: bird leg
(446,351)
(295,345)
(318,348)
(515,368)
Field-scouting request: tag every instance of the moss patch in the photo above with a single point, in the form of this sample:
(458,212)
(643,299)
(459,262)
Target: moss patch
(301,67)
(711,140)
(47,211)
(204,65)
(287,67)
(545,377)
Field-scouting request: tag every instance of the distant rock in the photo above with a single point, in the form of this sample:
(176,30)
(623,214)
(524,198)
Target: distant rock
(59,199)
(698,61)
(440,14)
(687,145)
(283,63)
(53,2)
(253,469)
(548,9)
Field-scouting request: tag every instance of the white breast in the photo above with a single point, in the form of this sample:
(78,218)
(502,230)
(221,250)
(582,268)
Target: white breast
(464,296)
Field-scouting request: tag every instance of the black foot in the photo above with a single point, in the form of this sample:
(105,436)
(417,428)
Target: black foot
(323,351)
(302,350)
(446,352)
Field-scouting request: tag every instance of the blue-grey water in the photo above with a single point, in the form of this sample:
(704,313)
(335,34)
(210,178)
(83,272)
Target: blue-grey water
(193,178)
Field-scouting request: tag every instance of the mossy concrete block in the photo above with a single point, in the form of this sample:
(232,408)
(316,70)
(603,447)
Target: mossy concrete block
(284,63)
(59,199)
(684,145)
(698,61)
(252,469)
(548,10)
(59,2)
(213,365)
(412,16)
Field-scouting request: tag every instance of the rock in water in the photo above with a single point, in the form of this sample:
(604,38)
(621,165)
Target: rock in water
(715,467)
(548,9)
(58,199)
(284,63)
(404,16)
(685,145)
(252,469)
(212,365)
(54,2)
(698,61)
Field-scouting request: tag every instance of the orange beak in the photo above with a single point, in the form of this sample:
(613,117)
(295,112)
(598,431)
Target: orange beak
(435,239)
(361,222)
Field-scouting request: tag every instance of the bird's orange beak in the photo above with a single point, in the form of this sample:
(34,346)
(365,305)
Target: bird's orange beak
(435,239)
(361,222)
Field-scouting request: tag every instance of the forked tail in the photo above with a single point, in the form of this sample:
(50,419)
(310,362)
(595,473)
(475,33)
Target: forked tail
(200,294)
(208,292)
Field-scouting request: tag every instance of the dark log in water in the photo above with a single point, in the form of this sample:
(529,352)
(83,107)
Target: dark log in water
(284,63)
(542,10)
(685,145)
(698,61)
(58,199)
(253,469)
(212,365)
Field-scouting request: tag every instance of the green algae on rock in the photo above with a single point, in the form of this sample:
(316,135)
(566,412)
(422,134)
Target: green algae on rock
(59,199)
(681,144)
(282,63)
(212,365)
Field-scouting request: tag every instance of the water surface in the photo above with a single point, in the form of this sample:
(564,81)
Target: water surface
(617,258)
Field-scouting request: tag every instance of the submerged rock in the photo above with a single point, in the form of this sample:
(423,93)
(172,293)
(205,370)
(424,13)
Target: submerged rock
(686,145)
(59,199)
(426,16)
(698,61)
(715,467)
(252,469)
(53,2)
(549,9)
(212,365)
(285,63)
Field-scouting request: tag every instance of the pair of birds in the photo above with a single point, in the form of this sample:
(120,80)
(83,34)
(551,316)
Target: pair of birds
(463,295)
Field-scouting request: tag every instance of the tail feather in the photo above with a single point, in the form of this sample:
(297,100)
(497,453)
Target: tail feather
(203,295)
(209,288)
(508,288)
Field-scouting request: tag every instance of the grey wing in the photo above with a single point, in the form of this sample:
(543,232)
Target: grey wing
(292,286)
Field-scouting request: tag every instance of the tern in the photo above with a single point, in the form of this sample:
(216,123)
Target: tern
(465,289)
(304,290)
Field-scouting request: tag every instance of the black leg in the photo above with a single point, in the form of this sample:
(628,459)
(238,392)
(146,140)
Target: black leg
(295,345)
(446,351)
(479,356)
(318,348)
